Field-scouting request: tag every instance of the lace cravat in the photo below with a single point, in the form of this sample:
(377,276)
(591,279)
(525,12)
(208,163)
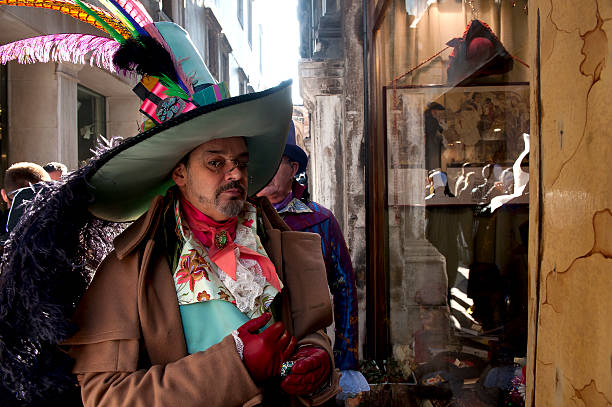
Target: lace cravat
(218,239)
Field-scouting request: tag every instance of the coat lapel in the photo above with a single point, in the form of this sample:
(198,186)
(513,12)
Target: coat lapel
(158,309)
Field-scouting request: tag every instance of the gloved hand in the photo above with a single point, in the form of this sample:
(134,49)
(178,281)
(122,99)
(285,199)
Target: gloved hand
(311,368)
(263,353)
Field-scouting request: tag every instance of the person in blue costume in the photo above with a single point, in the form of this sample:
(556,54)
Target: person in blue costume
(292,202)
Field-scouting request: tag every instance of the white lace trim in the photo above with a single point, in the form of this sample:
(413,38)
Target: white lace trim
(246,237)
(249,284)
(239,344)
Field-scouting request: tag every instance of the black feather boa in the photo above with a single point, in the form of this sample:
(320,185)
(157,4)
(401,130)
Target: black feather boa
(46,267)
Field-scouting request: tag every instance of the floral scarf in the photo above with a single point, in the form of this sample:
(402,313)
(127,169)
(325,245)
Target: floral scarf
(198,279)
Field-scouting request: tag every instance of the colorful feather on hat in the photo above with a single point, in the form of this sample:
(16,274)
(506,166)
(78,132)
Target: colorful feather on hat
(121,17)
(136,44)
(110,30)
(125,17)
(73,10)
(62,48)
(136,10)
(126,21)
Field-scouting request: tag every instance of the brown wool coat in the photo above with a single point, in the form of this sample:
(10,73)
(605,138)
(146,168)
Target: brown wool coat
(130,348)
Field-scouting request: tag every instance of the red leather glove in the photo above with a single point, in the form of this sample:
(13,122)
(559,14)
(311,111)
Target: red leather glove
(263,353)
(310,370)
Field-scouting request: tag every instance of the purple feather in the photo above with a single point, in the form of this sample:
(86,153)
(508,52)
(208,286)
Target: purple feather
(62,48)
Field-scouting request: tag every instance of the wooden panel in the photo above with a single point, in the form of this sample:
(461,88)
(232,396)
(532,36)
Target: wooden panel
(377,335)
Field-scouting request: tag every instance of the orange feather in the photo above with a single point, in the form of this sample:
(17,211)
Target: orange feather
(73,10)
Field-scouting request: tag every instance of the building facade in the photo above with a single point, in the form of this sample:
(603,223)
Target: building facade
(56,111)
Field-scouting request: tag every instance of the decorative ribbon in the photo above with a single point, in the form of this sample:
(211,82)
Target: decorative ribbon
(155,105)
(210,94)
(218,238)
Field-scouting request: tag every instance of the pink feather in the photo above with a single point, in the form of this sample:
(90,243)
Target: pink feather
(62,48)
(135,9)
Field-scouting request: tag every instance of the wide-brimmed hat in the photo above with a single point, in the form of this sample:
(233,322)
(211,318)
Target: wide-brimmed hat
(141,167)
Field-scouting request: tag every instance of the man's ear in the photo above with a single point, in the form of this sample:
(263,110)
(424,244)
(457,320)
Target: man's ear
(4,196)
(294,169)
(179,175)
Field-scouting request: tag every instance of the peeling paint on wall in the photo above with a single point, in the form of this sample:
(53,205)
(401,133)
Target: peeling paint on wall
(573,353)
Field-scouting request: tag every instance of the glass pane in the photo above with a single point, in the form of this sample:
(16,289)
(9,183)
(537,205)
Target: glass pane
(240,12)
(454,109)
(91,121)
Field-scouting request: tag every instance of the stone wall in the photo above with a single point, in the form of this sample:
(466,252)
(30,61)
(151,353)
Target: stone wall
(331,85)
(354,150)
(570,350)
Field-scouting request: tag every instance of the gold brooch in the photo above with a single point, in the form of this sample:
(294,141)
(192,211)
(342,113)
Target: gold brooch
(220,239)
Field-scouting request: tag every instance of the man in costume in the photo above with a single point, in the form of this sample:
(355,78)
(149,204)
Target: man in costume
(206,298)
(291,200)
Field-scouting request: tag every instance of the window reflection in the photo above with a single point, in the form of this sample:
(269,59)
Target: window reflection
(91,121)
(455,112)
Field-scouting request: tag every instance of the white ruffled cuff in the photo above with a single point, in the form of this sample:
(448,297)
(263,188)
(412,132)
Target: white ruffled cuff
(352,383)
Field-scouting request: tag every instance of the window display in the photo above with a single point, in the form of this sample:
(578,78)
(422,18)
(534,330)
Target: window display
(472,135)
(91,121)
(453,114)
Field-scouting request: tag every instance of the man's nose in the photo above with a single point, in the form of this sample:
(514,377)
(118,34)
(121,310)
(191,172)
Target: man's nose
(235,173)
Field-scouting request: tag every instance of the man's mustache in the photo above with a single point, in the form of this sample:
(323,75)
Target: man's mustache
(231,185)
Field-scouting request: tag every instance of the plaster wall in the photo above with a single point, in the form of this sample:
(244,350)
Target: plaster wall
(570,351)
(354,151)
(33,113)
(123,118)
(326,155)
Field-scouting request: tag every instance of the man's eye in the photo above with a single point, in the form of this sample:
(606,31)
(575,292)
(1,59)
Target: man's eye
(215,163)
(243,164)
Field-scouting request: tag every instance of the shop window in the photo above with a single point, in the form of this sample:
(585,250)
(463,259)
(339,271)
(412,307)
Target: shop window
(226,49)
(213,53)
(240,12)
(224,68)
(243,81)
(167,9)
(91,121)
(452,106)
(250,21)
(216,46)
(260,42)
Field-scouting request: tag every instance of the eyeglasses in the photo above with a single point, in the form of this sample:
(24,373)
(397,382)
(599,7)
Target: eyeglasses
(218,165)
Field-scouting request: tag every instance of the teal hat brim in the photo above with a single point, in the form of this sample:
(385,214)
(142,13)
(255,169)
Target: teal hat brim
(140,168)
